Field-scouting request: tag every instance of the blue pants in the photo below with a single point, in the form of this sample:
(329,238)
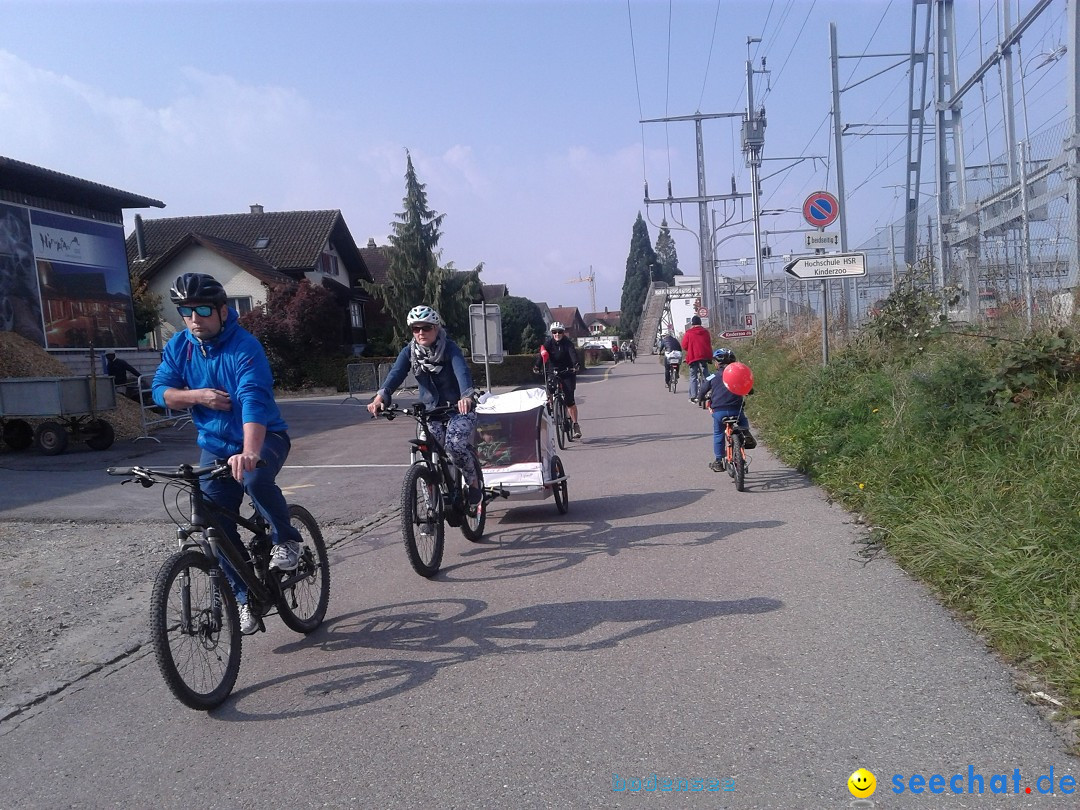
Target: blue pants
(697,364)
(261,486)
(718,429)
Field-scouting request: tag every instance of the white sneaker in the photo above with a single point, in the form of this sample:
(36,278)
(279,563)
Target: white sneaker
(285,556)
(248,623)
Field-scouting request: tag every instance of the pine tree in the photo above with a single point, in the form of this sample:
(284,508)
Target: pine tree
(414,273)
(666,255)
(639,262)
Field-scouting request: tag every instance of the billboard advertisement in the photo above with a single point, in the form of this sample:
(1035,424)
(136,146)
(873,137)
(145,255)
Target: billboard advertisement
(64,280)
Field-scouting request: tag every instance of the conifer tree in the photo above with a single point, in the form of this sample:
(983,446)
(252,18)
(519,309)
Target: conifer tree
(640,264)
(666,255)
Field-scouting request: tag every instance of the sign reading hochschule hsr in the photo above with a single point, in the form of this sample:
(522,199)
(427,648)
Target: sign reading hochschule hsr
(64,280)
(828,265)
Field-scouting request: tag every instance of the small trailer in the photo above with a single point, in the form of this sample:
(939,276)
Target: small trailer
(516,447)
(69,406)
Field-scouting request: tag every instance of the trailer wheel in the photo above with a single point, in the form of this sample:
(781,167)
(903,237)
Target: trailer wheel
(100,434)
(52,439)
(18,435)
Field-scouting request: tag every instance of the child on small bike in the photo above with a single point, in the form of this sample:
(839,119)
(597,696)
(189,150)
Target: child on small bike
(443,378)
(723,402)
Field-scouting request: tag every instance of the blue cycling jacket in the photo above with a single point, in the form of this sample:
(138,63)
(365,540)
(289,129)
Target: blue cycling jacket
(233,362)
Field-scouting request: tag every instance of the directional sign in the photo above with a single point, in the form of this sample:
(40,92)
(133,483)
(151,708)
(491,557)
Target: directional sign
(821,209)
(819,239)
(737,333)
(828,265)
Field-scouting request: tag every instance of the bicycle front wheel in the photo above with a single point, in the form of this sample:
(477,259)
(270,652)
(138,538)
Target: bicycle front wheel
(195,630)
(475,515)
(422,520)
(560,423)
(303,604)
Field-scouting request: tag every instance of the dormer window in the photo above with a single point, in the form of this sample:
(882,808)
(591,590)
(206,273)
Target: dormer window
(328,264)
(262,242)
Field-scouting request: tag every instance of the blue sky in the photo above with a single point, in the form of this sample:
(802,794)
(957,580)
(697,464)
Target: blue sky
(522,118)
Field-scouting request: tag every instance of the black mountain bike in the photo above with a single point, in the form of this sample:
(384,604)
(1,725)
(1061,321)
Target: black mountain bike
(556,405)
(435,491)
(194,618)
(672,371)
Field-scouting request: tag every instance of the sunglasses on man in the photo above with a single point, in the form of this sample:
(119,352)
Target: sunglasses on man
(203,311)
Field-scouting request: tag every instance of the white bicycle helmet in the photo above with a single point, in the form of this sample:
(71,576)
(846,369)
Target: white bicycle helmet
(423,314)
(556,326)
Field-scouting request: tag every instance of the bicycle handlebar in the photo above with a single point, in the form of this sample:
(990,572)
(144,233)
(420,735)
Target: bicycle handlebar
(147,476)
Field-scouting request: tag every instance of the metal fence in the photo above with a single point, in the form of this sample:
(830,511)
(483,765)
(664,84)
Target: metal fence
(367,378)
(154,416)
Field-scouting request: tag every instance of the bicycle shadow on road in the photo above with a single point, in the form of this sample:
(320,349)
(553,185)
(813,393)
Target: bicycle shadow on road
(632,439)
(610,507)
(457,632)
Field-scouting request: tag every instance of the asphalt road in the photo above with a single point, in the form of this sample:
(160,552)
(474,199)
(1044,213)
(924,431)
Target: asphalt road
(667,633)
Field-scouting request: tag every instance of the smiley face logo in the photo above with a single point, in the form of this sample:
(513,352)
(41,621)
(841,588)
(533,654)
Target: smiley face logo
(862,784)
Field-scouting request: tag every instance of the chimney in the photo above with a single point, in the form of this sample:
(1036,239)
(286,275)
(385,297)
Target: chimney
(140,238)
(256,208)
(371,242)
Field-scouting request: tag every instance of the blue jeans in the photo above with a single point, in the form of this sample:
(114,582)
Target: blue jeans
(261,486)
(718,429)
(703,365)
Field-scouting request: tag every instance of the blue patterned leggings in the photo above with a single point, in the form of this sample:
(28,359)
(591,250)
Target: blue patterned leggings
(456,435)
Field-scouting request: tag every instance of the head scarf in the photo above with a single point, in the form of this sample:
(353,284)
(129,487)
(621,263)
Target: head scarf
(429,358)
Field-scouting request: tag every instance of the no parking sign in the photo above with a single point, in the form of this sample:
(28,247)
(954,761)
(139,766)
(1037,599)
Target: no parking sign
(821,209)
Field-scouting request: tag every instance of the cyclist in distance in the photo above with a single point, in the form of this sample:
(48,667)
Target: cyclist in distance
(443,378)
(564,359)
(697,351)
(670,356)
(724,403)
(218,371)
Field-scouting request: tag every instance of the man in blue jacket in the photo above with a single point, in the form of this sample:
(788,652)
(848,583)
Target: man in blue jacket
(218,371)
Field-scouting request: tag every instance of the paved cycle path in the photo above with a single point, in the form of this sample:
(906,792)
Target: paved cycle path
(668,632)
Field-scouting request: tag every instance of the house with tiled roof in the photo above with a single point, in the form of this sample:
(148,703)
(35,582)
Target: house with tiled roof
(493,292)
(598,322)
(570,317)
(249,253)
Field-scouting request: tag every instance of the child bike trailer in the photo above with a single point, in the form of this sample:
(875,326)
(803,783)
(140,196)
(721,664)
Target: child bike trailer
(516,445)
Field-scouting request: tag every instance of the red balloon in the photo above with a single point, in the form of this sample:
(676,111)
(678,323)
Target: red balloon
(738,378)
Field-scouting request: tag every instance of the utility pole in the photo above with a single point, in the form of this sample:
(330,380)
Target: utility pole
(708,280)
(834,58)
(753,144)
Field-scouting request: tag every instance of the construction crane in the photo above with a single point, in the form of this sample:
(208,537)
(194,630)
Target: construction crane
(591,281)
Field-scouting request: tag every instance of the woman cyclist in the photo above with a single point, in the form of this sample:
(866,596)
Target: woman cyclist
(443,378)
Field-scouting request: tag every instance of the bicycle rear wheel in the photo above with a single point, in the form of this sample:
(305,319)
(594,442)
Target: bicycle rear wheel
(738,461)
(562,502)
(303,604)
(195,630)
(422,526)
(475,515)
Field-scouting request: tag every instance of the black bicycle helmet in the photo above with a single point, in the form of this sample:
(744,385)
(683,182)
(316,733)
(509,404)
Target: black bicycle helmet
(723,356)
(197,288)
